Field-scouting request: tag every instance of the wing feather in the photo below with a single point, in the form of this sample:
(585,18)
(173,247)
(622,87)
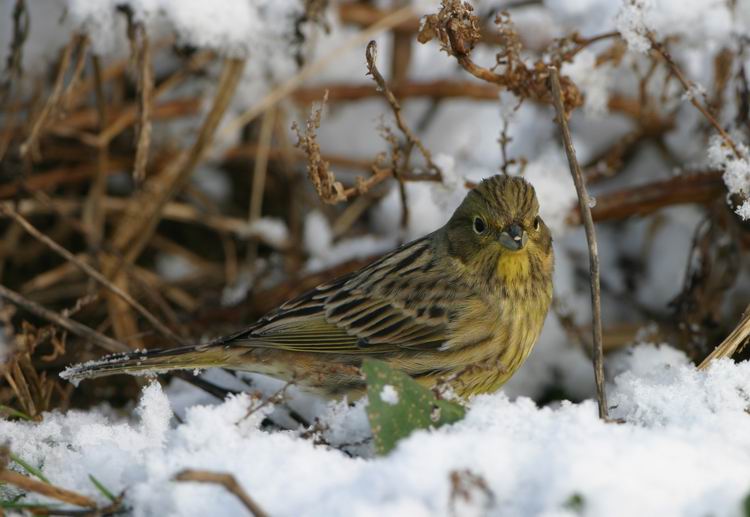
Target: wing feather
(401,301)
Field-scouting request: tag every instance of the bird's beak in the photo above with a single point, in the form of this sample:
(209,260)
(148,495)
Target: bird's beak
(514,237)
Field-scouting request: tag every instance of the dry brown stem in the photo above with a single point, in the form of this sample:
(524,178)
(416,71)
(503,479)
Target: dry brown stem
(371,55)
(701,187)
(128,116)
(145,209)
(588,223)
(363,15)
(8,211)
(145,89)
(93,215)
(328,188)
(228,481)
(67,96)
(260,171)
(45,489)
(318,170)
(58,177)
(456,27)
(173,211)
(293,83)
(292,156)
(440,89)
(736,339)
(30,145)
(692,94)
(68,324)
(13,69)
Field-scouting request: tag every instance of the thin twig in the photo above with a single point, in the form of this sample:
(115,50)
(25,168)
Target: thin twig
(260,170)
(87,269)
(275,398)
(129,115)
(690,91)
(736,339)
(68,324)
(285,89)
(31,142)
(173,211)
(588,223)
(93,214)
(372,54)
(228,481)
(261,163)
(66,98)
(13,68)
(39,487)
(145,87)
(701,187)
(138,226)
(438,89)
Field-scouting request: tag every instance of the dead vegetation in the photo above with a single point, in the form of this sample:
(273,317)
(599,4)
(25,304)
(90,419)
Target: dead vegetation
(91,201)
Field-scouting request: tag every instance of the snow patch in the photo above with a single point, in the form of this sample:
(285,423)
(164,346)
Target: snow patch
(389,395)
(650,465)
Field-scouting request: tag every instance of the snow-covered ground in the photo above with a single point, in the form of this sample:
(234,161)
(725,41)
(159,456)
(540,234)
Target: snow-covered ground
(684,446)
(683,449)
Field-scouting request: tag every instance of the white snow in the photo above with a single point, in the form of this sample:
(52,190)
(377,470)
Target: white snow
(736,170)
(554,188)
(708,23)
(389,395)
(683,449)
(594,82)
(324,252)
(271,230)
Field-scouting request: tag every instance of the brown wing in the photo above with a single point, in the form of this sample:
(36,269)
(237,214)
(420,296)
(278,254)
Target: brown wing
(400,301)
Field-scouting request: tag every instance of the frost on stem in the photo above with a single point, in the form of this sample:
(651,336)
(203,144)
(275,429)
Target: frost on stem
(735,173)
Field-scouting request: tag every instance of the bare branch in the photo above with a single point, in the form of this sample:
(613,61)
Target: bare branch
(371,55)
(68,324)
(90,271)
(45,489)
(690,91)
(588,223)
(735,340)
(228,481)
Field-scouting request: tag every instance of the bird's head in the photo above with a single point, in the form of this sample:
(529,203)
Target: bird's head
(497,230)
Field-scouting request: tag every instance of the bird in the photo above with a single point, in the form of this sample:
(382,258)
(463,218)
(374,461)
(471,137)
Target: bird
(461,307)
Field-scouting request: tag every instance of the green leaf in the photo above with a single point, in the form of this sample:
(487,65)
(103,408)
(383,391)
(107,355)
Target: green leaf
(12,505)
(575,503)
(398,405)
(14,412)
(746,506)
(105,492)
(29,468)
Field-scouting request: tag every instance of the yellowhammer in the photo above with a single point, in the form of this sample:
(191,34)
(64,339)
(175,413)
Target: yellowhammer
(463,305)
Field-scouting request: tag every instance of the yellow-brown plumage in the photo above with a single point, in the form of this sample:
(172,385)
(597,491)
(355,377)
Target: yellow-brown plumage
(463,305)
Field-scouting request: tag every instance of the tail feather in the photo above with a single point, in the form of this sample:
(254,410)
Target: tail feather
(148,362)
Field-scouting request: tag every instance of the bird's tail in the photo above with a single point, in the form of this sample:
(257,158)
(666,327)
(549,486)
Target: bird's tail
(152,362)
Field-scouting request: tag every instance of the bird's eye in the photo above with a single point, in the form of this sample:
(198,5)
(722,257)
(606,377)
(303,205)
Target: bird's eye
(537,222)
(479,225)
